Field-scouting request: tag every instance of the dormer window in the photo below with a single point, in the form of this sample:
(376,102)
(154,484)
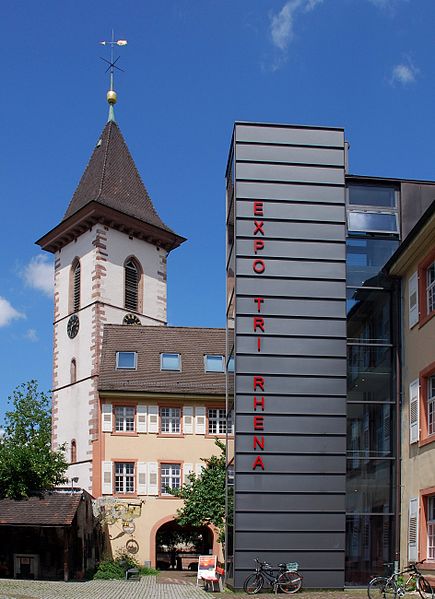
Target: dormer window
(214,363)
(131,289)
(126,360)
(170,362)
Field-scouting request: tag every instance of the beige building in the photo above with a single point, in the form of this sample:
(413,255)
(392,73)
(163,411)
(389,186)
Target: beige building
(136,403)
(414,263)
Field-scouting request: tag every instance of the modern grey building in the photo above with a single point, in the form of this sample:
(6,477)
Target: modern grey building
(312,326)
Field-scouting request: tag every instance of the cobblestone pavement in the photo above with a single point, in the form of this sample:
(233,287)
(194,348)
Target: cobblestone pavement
(146,588)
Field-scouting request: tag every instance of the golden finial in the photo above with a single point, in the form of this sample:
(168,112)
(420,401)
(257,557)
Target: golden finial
(111,94)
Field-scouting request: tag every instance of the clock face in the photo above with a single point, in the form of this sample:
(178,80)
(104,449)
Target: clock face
(131,319)
(73,326)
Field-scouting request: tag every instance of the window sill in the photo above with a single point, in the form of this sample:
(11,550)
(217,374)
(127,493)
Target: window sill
(170,435)
(125,495)
(428,565)
(120,434)
(425,319)
(214,435)
(427,441)
(168,497)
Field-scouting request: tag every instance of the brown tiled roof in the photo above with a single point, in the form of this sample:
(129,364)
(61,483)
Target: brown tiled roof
(111,179)
(149,342)
(50,509)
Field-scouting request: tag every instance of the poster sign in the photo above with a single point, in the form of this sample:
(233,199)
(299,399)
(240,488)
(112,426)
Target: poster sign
(207,567)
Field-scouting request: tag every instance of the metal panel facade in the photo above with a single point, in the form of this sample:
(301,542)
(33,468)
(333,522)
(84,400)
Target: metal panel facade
(287,221)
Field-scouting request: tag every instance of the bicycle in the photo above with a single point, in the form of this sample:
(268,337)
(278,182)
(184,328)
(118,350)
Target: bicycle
(391,587)
(288,579)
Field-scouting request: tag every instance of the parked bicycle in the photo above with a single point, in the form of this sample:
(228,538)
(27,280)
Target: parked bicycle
(399,583)
(285,578)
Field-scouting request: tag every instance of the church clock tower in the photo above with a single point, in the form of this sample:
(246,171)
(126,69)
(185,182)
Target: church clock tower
(110,254)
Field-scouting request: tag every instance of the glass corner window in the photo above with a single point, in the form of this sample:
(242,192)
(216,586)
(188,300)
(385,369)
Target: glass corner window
(230,365)
(170,362)
(372,195)
(214,363)
(126,359)
(380,222)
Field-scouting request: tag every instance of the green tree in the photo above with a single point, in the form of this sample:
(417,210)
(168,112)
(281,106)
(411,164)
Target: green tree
(27,463)
(204,496)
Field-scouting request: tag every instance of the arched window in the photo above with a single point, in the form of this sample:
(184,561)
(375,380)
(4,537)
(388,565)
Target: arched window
(131,289)
(73,451)
(73,371)
(75,285)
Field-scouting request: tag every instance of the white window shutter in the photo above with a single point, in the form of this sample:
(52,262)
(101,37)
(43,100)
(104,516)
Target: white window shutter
(188,420)
(414,411)
(187,469)
(413,530)
(153,419)
(142,478)
(153,479)
(413,299)
(106,477)
(200,420)
(198,469)
(106,418)
(141,416)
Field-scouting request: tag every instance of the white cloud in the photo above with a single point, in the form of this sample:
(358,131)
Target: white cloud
(281,23)
(31,335)
(8,313)
(404,73)
(39,274)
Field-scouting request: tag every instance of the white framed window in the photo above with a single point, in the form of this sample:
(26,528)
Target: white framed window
(214,363)
(170,477)
(124,477)
(170,421)
(126,360)
(124,419)
(217,421)
(431,528)
(430,287)
(170,362)
(431,405)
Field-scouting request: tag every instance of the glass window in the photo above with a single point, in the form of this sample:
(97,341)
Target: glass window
(368,316)
(372,221)
(170,362)
(124,477)
(365,259)
(369,486)
(170,419)
(126,359)
(170,477)
(369,430)
(368,195)
(217,421)
(431,528)
(230,366)
(124,419)
(369,373)
(430,288)
(431,405)
(214,363)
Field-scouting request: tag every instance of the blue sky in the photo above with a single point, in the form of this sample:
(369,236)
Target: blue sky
(192,67)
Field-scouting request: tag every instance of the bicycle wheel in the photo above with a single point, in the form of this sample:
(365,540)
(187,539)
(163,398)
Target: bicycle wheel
(253,584)
(381,588)
(424,588)
(289,582)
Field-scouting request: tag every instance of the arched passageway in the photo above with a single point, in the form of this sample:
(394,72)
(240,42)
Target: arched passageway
(178,547)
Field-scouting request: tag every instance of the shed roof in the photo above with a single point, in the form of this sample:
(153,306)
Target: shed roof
(48,509)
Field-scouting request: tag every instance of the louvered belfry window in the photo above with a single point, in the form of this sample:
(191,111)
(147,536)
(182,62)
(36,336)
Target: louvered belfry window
(131,286)
(76,287)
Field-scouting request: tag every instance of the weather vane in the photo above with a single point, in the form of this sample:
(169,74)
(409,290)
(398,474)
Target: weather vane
(111,94)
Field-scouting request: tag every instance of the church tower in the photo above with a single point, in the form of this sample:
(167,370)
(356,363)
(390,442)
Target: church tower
(110,254)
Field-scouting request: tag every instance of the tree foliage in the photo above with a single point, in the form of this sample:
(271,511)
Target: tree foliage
(204,496)
(27,463)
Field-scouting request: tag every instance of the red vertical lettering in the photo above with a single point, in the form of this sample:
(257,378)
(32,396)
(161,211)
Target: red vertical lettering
(258,343)
(258,423)
(258,441)
(259,301)
(258,402)
(258,227)
(258,266)
(258,208)
(258,245)
(258,462)
(258,323)
(258,382)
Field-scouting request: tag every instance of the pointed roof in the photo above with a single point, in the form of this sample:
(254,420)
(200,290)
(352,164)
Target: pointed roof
(112,191)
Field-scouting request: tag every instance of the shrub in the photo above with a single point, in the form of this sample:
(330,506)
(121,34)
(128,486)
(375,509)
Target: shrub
(109,570)
(144,571)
